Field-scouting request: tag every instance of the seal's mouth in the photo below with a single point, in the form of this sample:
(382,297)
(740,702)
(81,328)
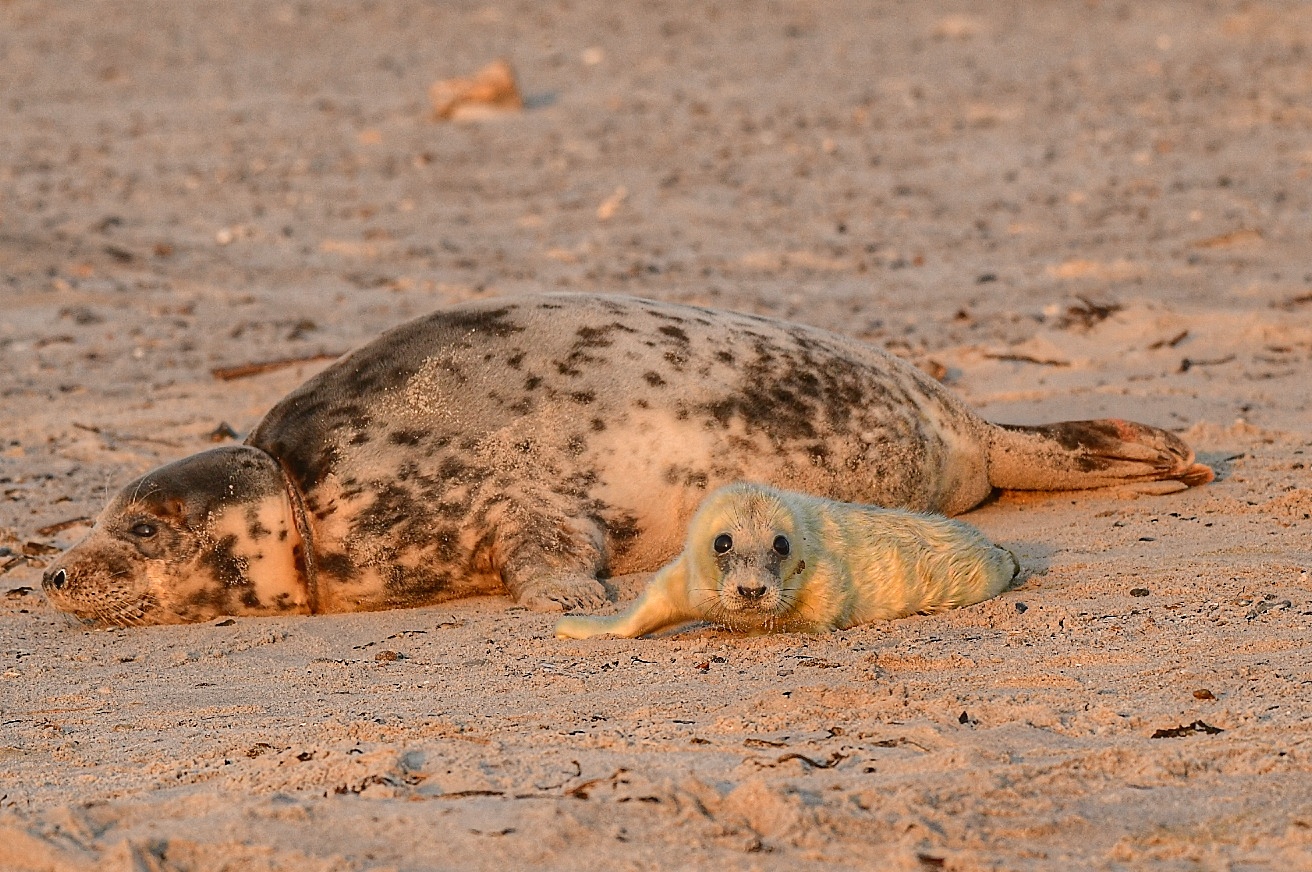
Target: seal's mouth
(752,606)
(137,613)
(750,595)
(108,608)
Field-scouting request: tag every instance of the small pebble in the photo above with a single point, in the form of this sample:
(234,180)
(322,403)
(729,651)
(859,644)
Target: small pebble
(1138,591)
(1203,693)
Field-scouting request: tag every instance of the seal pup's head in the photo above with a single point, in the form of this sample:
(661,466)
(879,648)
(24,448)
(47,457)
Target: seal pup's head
(747,546)
(212,534)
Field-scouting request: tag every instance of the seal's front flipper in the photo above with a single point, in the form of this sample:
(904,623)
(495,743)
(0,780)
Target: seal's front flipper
(1075,455)
(561,593)
(550,564)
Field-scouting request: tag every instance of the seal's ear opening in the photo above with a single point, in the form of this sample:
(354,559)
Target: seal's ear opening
(174,508)
(157,511)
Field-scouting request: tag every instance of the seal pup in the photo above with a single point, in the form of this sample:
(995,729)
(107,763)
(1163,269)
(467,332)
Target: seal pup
(760,560)
(535,444)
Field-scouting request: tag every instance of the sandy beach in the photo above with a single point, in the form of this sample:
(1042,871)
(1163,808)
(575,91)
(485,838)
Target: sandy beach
(1061,210)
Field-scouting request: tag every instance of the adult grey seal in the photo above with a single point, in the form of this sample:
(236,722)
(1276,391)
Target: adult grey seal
(762,560)
(539,443)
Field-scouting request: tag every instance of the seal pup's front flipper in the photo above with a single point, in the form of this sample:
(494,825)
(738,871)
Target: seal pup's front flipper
(1076,455)
(663,604)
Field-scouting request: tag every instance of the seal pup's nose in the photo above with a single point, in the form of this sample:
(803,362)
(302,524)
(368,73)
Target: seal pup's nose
(55,578)
(751,592)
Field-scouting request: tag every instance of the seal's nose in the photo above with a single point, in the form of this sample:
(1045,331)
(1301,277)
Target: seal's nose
(56,578)
(751,593)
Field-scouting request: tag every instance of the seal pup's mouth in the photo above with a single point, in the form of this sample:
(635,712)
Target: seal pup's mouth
(751,600)
(756,597)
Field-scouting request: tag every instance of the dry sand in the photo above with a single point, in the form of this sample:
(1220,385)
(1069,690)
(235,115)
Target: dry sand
(1069,209)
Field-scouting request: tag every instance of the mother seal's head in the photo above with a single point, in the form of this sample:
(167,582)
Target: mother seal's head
(212,534)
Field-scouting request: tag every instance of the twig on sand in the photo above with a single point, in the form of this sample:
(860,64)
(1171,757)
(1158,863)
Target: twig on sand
(834,759)
(1169,343)
(1189,363)
(125,437)
(61,526)
(245,370)
(1025,358)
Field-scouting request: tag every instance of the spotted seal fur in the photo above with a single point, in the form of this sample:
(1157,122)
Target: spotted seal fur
(761,560)
(537,444)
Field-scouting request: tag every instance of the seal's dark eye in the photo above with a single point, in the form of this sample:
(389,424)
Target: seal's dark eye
(723,543)
(143,530)
(781,546)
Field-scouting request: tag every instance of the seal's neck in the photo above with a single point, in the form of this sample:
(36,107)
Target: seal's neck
(256,550)
(304,551)
(272,551)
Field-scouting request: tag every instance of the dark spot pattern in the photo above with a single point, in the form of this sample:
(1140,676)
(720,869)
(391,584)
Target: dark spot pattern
(451,468)
(685,476)
(283,602)
(664,314)
(405,437)
(495,322)
(789,393)
(254,527)
(578,486)
(226,568)
(594,337)
(337,565)
(622,529)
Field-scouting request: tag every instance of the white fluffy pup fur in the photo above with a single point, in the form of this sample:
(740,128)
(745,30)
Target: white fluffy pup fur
(761,560)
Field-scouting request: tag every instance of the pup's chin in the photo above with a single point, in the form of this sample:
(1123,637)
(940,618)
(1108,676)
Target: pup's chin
(752,615)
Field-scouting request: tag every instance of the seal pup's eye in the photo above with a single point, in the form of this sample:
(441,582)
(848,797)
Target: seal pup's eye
(144,530)
(781,546)
(723,543)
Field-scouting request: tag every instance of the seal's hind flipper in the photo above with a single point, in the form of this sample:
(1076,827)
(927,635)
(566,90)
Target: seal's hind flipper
(1074,455)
